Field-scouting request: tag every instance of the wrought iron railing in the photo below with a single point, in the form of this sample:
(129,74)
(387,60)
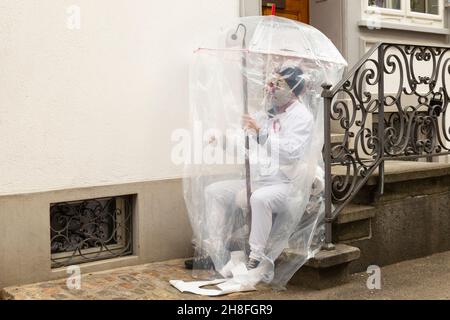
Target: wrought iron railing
(392,105)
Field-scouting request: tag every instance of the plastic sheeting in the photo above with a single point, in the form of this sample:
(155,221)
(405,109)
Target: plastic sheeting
(270,69)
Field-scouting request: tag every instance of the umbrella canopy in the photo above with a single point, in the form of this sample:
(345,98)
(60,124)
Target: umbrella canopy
(277,36)
(252,47)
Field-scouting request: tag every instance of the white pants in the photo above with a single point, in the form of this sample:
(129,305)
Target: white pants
(222,199)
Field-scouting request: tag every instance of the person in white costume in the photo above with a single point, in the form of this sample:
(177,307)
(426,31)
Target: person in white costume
(288,126)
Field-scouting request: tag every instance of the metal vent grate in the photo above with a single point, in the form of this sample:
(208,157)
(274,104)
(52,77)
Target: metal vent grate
(90,230)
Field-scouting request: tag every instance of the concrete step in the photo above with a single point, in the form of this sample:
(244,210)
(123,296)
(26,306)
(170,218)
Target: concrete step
(402,179)
(329,258)
(327,269)
(337,138)
(355,212)
(412,216)
(399,171)
(353,223)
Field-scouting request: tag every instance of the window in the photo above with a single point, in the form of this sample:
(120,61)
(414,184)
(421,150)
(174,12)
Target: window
(389,4)
(399,14)
(425,6)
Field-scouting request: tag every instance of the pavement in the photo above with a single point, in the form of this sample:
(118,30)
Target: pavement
(423,278)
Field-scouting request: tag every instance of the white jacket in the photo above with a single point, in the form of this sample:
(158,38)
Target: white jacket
(284,140)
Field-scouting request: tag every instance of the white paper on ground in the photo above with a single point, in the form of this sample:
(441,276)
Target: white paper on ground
(195,287)
(239,279)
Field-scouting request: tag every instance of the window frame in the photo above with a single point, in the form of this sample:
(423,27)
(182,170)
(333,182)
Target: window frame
(405,15)
(387,11)
(427,16)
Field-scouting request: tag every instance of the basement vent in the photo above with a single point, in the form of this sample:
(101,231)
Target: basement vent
(90,230)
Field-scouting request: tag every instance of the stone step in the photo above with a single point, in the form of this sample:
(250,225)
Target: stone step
(400,171)
(401,180)
(341,254)
(337,138)
(355,212)
(353,223)
(411,217)
(328,268)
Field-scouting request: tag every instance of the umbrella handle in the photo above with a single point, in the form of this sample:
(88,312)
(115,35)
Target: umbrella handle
(248,184)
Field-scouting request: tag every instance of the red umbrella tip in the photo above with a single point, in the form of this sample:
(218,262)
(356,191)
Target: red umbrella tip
(274,8)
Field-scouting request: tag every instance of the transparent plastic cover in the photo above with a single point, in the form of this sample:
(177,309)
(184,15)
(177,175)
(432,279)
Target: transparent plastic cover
(254,181)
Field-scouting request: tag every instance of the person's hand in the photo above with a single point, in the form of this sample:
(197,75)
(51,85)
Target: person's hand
(249,123)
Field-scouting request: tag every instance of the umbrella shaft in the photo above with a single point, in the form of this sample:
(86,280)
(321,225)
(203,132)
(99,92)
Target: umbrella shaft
(247,174)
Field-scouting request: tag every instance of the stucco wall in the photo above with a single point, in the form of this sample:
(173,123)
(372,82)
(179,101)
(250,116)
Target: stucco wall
(95,106)
(329,16)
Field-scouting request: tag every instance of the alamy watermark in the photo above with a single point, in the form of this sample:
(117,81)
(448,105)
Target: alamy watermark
(209,146)
(73,282)
(73,21)
(374,279)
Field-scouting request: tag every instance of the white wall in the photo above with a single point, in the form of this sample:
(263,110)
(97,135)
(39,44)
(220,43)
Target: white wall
(251,7)
(95,106)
